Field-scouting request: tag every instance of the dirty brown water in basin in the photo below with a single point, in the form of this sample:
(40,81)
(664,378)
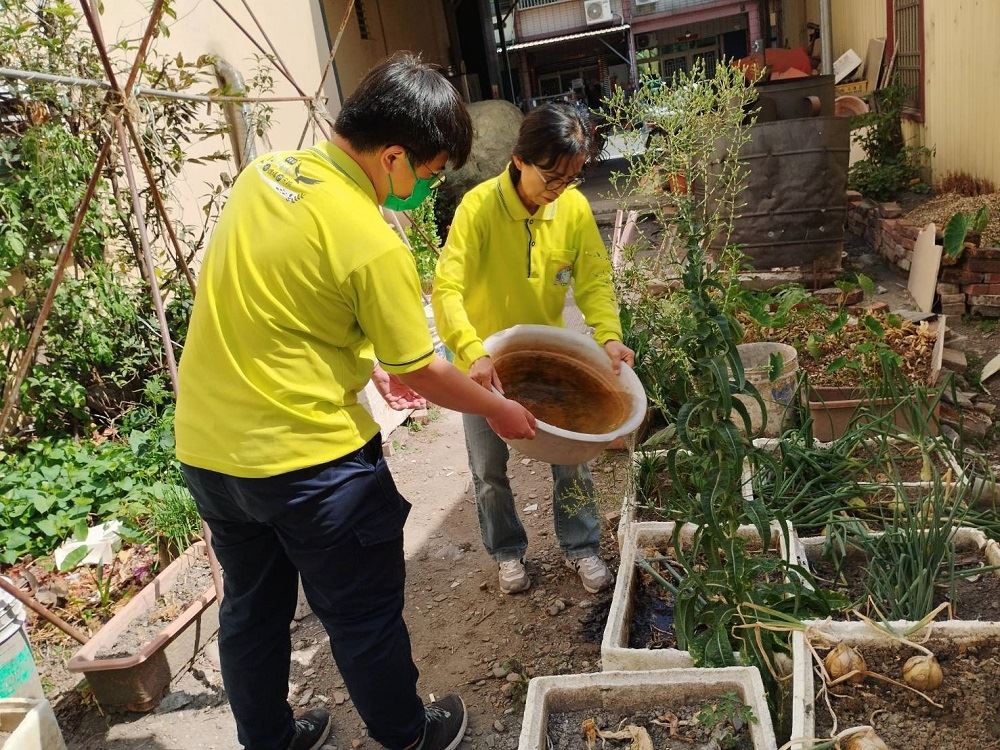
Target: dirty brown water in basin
(561,391)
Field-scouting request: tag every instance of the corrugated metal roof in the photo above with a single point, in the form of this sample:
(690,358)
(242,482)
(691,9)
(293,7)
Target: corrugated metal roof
(567,38)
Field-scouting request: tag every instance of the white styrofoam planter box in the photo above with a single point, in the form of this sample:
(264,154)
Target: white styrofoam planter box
(627,691)
(860,634)
(31,724)
(615,651)
(630,502)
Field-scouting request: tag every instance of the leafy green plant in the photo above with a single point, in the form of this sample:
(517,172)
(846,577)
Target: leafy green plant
(172,521)
(56,487)
(727,715)
(890,166)
(959,226)
(424,238)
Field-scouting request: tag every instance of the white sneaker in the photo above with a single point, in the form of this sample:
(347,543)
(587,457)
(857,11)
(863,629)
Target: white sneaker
(594,574)
(513,577)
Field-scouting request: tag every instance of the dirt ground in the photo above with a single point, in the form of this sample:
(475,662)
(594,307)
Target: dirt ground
(467,636)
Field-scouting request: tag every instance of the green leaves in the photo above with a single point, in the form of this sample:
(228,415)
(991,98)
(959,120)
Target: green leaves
(959,226)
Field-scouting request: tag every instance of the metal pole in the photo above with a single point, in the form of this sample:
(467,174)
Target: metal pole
(33,75)
(160,207)
(329,63)
(503,45)
(826,36)
(42,611)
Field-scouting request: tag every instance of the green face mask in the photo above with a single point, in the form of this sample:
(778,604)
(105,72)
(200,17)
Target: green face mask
(421,189)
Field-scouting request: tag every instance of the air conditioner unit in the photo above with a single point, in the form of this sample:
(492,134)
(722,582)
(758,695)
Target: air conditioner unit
(642,41)
(597,11)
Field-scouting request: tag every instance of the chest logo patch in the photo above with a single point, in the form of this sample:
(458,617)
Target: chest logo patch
(564,275)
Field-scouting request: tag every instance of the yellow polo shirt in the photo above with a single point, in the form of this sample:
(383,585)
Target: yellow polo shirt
(303,286)
(501,266)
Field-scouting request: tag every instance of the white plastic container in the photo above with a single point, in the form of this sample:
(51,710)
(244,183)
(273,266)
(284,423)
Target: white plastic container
(18,673)
(31,724)
(552,444)
(627,691)
(776,394)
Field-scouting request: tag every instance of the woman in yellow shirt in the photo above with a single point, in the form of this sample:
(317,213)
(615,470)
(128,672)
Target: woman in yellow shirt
(515,244)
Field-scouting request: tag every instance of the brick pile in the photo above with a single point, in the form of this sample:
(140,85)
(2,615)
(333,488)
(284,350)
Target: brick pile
(972,284)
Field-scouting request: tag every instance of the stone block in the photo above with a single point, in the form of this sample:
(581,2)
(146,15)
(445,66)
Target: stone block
(943,288)
(955,309)
(953,299)
(987,300)
(985,311)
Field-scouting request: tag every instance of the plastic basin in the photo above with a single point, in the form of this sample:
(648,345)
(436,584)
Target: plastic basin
(565,379)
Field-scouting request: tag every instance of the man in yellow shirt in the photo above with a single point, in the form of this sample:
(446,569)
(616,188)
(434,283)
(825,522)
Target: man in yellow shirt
(516,243)
(304,288)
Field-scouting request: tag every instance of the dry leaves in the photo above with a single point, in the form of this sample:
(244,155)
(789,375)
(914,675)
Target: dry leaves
(638,737)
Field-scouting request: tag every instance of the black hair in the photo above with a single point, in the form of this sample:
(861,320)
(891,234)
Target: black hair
(403,101)
(553,131)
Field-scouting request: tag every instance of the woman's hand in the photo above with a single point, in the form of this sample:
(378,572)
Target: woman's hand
(617,352)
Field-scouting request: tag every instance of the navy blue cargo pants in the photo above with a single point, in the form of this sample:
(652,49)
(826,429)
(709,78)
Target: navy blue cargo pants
(339,526)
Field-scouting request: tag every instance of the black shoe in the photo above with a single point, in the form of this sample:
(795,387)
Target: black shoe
(446,721)
(311,730)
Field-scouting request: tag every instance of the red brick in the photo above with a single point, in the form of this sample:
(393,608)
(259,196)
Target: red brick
(908,231)
(983,265)
(991,278)
(853,196)
(950,310)
(977,289)
(961,276)
(992,253)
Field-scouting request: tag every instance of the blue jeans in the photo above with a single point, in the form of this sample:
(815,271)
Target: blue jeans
(339,526)
(574,504)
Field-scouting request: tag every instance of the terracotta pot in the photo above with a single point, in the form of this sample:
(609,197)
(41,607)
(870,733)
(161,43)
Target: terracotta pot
(849,106)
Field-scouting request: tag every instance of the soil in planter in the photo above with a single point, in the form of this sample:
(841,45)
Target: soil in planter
(903,468)
(565,729)
(652,623)
(970,695)
(188,586)
(973,600)
(560,392)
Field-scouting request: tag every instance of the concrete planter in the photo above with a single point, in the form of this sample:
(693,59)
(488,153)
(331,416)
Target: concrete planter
(859,634)
(31,724)
(137,682)
(615,651)
(627,691)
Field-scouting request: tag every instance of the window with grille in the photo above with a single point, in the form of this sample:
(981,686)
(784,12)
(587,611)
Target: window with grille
(908,28)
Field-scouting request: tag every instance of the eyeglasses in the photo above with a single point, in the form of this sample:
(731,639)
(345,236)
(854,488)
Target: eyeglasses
(437,180)
(559,183)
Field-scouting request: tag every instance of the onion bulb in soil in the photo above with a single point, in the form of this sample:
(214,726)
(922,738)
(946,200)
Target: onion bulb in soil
(923,672)
(866,740)
(843,660)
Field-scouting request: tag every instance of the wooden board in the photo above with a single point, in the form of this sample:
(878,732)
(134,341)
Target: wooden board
(873,61)
(924,268)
